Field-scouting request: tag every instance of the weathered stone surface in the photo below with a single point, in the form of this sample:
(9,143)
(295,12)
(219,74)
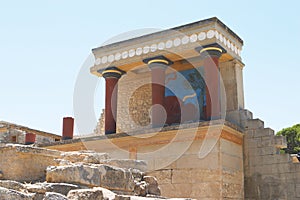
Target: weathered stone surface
(137,174)
(62,188)
(85,194)
(78,174)
(14,185)
(152,185)
(8,194)
(92,175)
(127,164)
(141,189)
(84,156)
(42,188)
(29,163)
(54,196)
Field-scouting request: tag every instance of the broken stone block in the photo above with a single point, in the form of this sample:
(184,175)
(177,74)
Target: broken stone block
(8,194)
(106,176)
(141,189)
(77,174)
(127,164)
(84,156)
(14,185)
(85,194)
(54,196)
(152,185)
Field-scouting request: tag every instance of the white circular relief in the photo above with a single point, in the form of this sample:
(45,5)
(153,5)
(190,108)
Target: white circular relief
(228,44)
(201,36)
(117,56)
(169,44)
(111,58)
(124,54)
(177,42)
(104,59)
(146,49)
(185,40)
(139,51)
(225,42)
(193,38)
(98,61)
(161,45)
(221,38)
(217,34)
(153,48)
(131,52)
(210,34)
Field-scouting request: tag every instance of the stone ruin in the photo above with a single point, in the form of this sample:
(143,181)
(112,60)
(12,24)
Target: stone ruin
(31,173)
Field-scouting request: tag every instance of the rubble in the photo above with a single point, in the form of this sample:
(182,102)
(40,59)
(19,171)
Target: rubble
(75,176)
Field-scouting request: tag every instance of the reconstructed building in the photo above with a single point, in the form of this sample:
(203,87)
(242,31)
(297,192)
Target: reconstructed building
(175,98)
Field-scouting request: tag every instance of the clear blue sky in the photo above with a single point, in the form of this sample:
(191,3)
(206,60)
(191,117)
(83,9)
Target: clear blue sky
(43,45)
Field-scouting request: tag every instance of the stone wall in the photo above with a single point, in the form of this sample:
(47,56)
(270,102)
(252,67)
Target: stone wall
(134,102)
(219,175)
(268,173)
(24,163)
(17,136)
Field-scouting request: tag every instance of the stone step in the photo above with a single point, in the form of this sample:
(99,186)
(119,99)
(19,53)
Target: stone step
(280,142)
(252,124)
(263,133)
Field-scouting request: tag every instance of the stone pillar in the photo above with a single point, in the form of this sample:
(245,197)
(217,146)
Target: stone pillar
(211,55)
(30,138)
(68,128)
(158,65)
(112,76)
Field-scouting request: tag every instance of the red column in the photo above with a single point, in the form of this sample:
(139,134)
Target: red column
(68,128)
(112,76)
(158,66)
(211,57)
(30,138)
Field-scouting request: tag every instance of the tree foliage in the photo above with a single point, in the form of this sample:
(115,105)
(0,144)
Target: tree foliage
(292,135)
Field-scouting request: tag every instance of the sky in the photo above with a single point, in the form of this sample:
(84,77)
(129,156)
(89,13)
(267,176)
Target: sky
(44,46)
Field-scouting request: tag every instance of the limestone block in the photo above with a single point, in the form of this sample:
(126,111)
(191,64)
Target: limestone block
(206,190)
(85,194)
(54,196)
(192,176)
(231,162)
(9,194)
(42,188)
(27,163)
(231,148)
(264,132)
(232,191)
(280,142)
(253,124)
(14,185)
(298,190)
(152,185)
(163,176)
(92,175)
(140,188)
(211,161)
(127,163)
(84,156)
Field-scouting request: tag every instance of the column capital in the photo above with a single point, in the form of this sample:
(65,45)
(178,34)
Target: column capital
(158,61)
(212,50)
(112,72)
